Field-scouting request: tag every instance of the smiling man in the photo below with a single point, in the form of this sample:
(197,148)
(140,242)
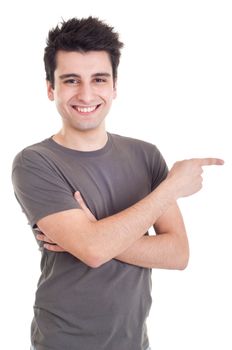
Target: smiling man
(90,74)
(94,195)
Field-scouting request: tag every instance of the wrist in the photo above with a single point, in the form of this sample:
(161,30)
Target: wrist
(164,196)
(170,188)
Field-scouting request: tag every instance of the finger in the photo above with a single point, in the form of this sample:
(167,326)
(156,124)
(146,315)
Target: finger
(209,161)
(80,200)
(53,248)
(83,206)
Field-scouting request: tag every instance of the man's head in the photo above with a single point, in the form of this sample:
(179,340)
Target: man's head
(81,35)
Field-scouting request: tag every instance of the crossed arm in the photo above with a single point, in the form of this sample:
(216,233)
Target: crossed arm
(167,249)
(121,236)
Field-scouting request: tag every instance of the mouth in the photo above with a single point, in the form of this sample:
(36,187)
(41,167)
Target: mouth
(85,109)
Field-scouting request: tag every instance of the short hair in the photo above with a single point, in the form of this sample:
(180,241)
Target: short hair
(81,35)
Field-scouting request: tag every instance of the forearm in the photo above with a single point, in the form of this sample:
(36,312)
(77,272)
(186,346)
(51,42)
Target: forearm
(117,233)
(164,251)
(100,241)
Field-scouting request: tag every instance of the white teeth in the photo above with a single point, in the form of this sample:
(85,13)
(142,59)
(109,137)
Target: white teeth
(85,109)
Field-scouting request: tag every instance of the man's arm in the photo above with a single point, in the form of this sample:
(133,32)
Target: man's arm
(168,249)
(98,242)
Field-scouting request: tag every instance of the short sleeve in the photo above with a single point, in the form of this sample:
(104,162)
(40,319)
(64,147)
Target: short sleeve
(39,189)
(159,168)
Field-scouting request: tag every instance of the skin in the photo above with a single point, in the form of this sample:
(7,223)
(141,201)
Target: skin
(83,81)
(147,251)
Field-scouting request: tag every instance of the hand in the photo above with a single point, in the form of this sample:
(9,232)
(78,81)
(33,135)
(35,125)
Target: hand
(186,175)
(52,246)
(49,244)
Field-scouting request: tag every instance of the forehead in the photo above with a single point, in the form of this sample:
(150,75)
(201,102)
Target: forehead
(90,62)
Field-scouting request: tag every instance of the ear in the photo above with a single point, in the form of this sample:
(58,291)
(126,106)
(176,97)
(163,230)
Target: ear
(50,91)
(115,89)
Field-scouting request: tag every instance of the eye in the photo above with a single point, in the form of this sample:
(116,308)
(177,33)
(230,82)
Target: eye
(71,81)
(100,80)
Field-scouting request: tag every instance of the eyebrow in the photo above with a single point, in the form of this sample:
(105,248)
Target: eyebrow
(74,75)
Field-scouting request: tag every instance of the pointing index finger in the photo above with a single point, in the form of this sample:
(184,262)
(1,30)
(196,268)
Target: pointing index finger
(210,161)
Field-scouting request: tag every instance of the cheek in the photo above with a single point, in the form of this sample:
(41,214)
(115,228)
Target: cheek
(109,95)
(61,96)
(61,101)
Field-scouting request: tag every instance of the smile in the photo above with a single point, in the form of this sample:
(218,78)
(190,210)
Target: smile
(87,109)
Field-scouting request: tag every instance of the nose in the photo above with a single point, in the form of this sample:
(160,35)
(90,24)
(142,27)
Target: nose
(85,94)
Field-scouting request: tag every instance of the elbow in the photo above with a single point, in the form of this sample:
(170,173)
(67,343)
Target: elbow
(183,259)
(182,264)
(94,259)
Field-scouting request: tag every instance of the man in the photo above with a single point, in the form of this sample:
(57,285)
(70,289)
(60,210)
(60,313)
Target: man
(94,195)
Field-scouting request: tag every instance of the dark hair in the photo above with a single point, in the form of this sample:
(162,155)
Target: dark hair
(82,35)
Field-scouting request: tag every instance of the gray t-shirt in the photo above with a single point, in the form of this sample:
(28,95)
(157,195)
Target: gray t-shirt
(78,307)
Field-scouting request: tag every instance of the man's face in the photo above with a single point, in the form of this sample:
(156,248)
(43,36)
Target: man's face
(83,89)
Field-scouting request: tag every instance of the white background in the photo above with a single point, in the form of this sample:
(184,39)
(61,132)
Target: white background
(174,90)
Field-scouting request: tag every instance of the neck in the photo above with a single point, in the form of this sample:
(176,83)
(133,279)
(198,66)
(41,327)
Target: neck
(85,141)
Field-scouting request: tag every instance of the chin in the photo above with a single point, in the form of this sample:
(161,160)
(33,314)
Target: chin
(89,126)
